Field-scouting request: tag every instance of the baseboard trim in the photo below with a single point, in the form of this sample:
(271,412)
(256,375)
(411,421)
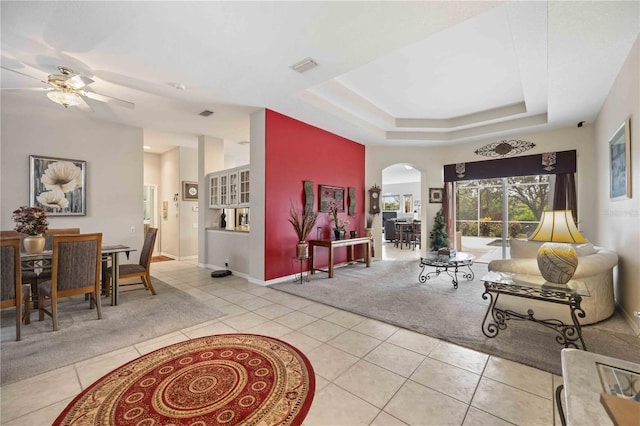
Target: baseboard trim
(631,320)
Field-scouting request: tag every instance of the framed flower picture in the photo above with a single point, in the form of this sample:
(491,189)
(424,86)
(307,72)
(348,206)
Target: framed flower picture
(58,185)
(620,162)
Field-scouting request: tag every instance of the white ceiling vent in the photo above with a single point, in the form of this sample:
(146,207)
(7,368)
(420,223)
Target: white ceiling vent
(206,113)
(304,65)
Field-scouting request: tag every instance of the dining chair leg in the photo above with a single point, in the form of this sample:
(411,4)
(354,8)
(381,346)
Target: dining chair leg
(54,313)
(26,298)
(40,307)
(96,296)
(147,280)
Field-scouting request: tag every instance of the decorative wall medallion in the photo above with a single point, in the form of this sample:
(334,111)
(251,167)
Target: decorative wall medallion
(505,148)
(460,170)
(548,161)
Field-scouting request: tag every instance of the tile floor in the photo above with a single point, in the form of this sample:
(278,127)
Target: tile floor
(367,372)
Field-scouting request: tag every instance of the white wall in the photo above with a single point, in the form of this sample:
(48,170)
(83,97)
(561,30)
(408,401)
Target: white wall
(169,187)
(114,158)
(618,222)
(258,160)
(151,175)
(188,209)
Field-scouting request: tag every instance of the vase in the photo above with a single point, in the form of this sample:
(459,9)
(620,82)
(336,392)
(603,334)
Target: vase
(33,244)
(339,234)
(302,250)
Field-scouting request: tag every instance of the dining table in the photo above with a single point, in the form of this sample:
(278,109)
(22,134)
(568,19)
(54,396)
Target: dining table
(39,262)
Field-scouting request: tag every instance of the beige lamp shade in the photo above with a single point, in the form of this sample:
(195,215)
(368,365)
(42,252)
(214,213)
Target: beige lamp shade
(557,226)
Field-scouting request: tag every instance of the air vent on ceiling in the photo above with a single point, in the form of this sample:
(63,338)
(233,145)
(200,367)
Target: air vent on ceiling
(304,65)
(206,113)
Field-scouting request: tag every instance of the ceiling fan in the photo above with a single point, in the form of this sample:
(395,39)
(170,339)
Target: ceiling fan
(67,89)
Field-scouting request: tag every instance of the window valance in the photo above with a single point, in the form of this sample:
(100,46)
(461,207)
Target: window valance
(550,163)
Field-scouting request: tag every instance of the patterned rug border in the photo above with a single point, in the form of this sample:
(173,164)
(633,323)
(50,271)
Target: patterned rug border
(297,420)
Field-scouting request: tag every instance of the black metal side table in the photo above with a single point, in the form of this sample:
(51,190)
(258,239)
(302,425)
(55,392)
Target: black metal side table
(445,263)
(300,260)
(534,288)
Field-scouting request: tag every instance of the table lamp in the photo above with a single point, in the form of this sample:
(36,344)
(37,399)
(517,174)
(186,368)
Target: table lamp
(557,259)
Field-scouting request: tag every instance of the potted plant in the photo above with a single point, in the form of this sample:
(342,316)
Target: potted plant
(340,224)
(31,221)
(303,222)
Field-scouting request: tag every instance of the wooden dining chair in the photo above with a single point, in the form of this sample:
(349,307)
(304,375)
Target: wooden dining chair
(49,233)
(75,270)
(142,268)
(11,287)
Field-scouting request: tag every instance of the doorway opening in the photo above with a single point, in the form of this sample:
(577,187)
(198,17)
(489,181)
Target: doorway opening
(401,202)
(150,211)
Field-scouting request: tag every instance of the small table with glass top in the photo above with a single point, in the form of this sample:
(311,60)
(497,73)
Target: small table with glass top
(535,288)
(443,263)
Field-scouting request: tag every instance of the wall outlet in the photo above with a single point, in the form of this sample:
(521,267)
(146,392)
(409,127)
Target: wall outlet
(133,229)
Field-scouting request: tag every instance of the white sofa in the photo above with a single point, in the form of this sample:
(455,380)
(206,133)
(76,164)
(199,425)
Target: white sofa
(595,269)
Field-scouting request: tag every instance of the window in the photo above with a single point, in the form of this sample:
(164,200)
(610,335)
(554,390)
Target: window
(391,202)
(479,205)
(408,203)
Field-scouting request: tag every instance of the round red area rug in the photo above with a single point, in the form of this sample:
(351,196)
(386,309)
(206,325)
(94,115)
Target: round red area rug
(228,379)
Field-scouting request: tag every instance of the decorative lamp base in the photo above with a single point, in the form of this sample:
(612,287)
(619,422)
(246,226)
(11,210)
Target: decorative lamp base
(557,262)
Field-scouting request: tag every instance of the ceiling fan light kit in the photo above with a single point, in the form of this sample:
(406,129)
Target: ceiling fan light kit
(64,98)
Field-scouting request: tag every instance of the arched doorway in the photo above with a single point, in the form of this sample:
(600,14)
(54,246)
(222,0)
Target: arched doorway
(401,201)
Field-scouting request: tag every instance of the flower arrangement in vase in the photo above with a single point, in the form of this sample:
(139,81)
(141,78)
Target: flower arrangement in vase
(303,222)
(340,224)
(33,222)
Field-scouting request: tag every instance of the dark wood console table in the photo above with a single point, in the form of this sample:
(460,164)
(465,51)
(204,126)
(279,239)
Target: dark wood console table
(332,244)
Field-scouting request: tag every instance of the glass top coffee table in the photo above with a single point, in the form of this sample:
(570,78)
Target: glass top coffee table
(448,264)
(535,288)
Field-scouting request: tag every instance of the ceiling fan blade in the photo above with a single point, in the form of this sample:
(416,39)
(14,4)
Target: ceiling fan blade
(84,106)
(108,99)
(26,75)
(31,89)
(78,81)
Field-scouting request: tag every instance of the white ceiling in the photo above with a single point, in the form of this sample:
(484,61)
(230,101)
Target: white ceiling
(393,73)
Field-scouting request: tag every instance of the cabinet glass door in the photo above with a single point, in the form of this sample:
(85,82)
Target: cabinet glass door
(214,191)
(224,190)
(233,188)
(244,187)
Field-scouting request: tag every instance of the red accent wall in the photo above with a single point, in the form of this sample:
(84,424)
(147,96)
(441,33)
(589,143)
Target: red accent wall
(295,152)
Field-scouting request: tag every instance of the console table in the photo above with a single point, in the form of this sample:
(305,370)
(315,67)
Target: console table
(443,263)
(535,288)
(332,244)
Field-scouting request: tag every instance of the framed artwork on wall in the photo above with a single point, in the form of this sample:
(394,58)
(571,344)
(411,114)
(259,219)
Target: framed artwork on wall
(189,191)
(620,162)
(435,195)
(58,185)
(331,193)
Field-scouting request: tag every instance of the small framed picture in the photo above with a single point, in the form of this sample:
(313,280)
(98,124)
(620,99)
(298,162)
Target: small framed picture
(620,162)
(435,195)
(189,191)
(331,193)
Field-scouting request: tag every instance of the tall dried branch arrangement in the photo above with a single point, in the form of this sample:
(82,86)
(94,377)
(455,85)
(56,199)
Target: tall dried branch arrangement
(303,221)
